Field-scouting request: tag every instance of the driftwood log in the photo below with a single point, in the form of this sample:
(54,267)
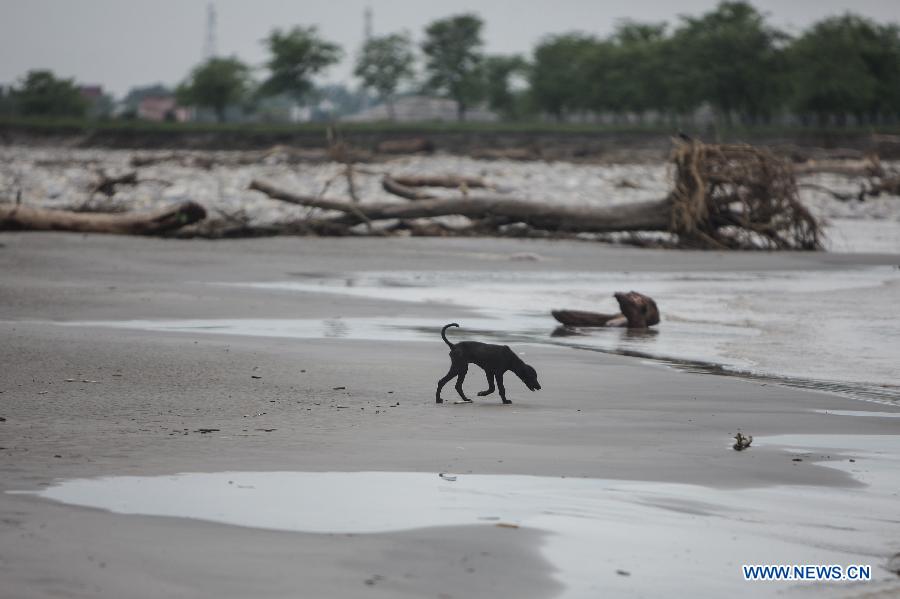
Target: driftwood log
(889,185)
(406,186)
(450,181)
(27,218)
(107,184)
(277,154)
(413,145)
(392,185)
(724,197)
(865,168)
(651,215)
(194,160)
(638,311)
(505,154)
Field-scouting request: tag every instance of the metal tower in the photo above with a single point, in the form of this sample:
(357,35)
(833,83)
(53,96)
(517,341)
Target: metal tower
(367,28)
(367,35)
(209,46)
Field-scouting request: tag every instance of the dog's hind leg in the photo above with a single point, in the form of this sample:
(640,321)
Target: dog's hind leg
(452,373)
(462,369)
(501,388)
(490,380)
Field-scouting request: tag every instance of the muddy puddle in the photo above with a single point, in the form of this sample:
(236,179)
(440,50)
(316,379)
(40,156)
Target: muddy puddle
(661,534)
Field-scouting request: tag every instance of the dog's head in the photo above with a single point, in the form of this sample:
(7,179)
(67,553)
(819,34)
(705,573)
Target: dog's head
(529,377)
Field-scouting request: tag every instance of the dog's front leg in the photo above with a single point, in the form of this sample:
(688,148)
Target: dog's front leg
(502,388)
(490,380)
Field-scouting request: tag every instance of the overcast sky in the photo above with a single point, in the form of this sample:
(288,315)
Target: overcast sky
(122,43)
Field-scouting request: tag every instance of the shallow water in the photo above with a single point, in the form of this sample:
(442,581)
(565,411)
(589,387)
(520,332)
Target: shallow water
(834,331)
(859,413)
(663,534)
(836,325)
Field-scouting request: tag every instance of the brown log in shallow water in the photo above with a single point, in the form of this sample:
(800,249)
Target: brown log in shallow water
(583,318)
(639,309)
(638,312)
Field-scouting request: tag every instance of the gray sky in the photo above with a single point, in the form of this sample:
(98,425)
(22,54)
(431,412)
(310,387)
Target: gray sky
(122,43)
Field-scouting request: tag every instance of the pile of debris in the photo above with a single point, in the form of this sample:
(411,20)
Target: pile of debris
(722,197)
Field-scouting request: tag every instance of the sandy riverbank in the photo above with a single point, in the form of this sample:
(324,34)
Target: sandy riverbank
(659,434)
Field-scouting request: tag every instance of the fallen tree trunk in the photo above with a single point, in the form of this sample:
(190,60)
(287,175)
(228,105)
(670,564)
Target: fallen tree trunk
(406,146)
(27,218)
(391,185)
(451,181)
(724,197)
(841,197)
(847,168)
(638,312)
(505,154)
(888,185)
(583,318)
(107,185)
(204,161)
(642,216)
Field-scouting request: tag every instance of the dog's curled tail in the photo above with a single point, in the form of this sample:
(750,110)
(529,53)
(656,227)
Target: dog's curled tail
(444,331)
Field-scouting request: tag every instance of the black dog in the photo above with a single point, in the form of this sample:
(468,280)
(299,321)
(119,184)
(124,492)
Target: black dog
(493,359)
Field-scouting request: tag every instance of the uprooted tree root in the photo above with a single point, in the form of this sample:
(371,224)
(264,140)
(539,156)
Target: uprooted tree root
(738,197)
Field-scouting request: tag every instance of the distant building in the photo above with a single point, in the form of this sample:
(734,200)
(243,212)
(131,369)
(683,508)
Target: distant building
(91,93)
(414,109)
(99,104)
(161,108)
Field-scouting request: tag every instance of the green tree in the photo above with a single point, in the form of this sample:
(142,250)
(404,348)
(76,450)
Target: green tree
(40,93)
(7,104)
(559,73)
(296,57)
(453,59)
(498,73)
(383,64)
(846,65)
(736,60)
(637,66)
(883,59)
(217,83)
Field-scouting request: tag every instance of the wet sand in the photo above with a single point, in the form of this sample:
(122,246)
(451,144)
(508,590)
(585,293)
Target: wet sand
(598,416)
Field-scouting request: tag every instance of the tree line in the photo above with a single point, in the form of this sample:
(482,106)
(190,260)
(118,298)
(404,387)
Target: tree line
(730,60)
